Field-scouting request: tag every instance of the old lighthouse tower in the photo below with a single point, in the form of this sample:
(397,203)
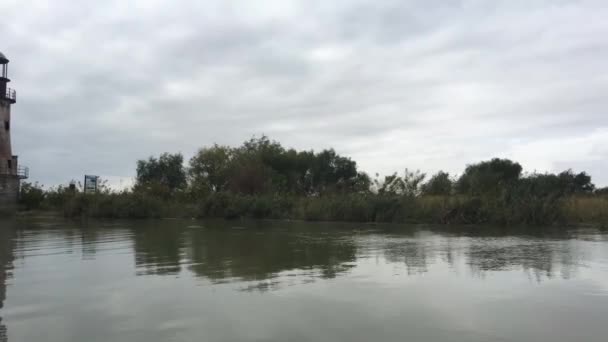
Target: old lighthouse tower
(10,172)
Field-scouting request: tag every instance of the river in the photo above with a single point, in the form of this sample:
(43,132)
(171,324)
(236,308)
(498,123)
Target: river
(175,280)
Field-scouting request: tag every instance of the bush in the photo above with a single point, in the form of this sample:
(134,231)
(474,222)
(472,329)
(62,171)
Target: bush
(31,196)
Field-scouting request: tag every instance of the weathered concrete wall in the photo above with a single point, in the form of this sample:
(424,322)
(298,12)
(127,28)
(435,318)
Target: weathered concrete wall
(9,182)
(9,193)
(6,152)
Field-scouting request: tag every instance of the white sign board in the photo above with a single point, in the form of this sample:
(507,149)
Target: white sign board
(90,183)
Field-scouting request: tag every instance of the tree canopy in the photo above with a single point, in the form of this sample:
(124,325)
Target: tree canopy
(488,176)
(261,166)
(167,171)
(439,184)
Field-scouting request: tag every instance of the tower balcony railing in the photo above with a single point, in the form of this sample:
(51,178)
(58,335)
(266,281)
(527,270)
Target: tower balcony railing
(21,172)
(10,95)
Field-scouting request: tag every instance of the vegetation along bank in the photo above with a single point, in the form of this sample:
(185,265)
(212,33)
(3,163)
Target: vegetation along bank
(262,179)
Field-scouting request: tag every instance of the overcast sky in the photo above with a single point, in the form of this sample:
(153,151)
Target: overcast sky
(423,84)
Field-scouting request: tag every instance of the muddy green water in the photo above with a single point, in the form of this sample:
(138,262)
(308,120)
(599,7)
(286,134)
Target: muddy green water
(277,281)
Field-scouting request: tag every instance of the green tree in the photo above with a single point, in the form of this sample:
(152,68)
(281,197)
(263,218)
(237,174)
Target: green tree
(439,184)
(412,181)
(260,166)
(250,176)
(408,185)
(488,176)
(576,183)
(210,168)
(391,185)
(602,191)
(362,183)
(330,172)
(166,171)
(562,184)
(298,178)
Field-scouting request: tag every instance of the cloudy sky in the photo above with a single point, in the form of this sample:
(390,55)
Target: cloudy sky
(422,84)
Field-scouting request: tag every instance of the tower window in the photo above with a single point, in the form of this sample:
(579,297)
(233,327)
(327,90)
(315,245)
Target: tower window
(7,125)
(10,164)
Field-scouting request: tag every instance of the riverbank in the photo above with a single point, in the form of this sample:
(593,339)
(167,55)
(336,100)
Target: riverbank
(455,209)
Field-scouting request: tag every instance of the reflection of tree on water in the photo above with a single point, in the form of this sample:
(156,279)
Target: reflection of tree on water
(6,265)
(412,253)
(158,248)
(221,252)
(540,252)
(260,254)
(538,257)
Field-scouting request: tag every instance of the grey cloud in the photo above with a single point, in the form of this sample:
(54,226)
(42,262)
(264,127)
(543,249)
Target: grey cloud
(394,84)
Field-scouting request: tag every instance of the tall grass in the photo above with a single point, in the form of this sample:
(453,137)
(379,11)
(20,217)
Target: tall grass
(510,208)
(586,209)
